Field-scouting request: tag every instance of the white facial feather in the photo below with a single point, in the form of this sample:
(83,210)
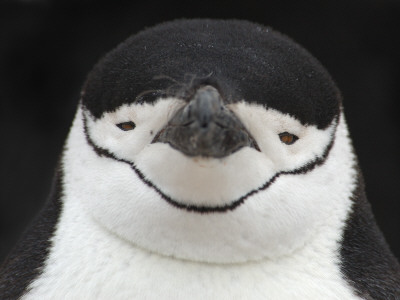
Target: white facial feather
(118,237)
(270,223)
(265,125)
(203,181)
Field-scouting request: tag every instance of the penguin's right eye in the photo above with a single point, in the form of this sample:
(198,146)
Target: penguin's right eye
(288,138)
(125,126)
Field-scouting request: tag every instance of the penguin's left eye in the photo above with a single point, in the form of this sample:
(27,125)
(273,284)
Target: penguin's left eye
(125,126)
(288,138)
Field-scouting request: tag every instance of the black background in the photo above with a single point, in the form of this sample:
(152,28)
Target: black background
(47,48)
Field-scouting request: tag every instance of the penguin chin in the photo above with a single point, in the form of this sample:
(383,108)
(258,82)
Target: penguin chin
(204,182)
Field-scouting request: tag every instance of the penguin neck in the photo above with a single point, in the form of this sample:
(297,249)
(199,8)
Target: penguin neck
(78,230)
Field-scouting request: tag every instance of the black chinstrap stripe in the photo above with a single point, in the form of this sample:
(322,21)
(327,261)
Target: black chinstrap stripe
(208,209)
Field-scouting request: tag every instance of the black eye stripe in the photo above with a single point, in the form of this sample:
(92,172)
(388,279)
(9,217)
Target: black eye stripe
(288,138)
(125,126)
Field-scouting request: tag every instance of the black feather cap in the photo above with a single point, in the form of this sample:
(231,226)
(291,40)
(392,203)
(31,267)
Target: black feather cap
(243,60)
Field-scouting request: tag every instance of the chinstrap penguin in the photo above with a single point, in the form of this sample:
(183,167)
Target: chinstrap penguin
(207,160)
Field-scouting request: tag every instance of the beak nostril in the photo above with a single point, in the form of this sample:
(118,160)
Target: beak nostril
(204,125)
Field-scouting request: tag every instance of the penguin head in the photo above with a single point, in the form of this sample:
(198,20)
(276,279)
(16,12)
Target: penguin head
(215,141)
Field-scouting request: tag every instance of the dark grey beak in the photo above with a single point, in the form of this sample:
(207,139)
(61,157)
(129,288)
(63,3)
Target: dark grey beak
(205,127)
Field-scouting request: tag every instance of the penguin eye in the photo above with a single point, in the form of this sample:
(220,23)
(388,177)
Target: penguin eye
(125,126)
(288,138)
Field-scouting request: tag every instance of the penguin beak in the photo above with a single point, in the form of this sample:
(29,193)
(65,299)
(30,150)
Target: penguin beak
(205,127)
